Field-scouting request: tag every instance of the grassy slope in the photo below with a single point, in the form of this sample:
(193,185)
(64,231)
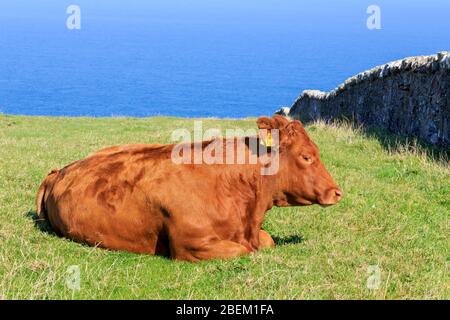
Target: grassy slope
(395,214)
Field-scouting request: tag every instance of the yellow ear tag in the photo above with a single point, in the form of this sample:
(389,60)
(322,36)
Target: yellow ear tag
(268,139)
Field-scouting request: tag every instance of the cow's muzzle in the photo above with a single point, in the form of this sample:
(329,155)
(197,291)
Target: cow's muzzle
(330,197)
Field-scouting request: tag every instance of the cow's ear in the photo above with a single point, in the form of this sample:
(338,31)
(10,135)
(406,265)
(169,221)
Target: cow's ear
(276,122)
(280,121)
(296,126)
(265,123)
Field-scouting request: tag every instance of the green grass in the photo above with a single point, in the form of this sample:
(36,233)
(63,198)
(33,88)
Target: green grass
(395,214)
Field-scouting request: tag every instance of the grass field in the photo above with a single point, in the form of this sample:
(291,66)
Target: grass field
(394,217)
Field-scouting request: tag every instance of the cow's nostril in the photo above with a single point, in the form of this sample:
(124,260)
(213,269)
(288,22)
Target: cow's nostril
(338,193)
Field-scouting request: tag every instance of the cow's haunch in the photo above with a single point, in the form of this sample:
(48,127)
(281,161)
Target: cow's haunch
(135,198)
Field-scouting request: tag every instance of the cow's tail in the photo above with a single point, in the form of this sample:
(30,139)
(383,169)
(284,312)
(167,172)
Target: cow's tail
(41,195)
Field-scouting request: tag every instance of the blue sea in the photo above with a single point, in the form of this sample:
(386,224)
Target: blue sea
(198,58)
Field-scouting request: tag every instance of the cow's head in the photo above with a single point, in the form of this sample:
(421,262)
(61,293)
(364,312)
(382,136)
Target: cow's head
(302,178)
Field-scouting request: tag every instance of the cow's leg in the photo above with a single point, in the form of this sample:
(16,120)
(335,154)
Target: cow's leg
(215,249)
(265,240)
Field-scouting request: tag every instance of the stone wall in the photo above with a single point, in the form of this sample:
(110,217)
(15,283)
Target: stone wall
(408,97)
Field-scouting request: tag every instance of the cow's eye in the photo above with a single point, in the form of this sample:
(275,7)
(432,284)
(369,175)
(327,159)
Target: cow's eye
(307,159)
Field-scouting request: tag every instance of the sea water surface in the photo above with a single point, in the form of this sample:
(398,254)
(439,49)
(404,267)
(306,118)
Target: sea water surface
(198,58)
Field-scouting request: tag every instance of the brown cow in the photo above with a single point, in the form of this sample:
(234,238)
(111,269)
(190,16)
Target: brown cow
(135,198)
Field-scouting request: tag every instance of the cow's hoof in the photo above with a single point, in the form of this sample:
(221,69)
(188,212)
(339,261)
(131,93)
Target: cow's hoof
(265,240)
